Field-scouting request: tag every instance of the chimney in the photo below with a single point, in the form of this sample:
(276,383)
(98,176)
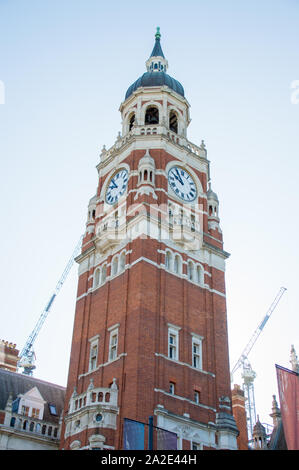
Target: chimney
(239,412)
(8,356)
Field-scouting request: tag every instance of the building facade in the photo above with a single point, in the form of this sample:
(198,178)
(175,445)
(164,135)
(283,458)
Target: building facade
(150,329)
(30,409)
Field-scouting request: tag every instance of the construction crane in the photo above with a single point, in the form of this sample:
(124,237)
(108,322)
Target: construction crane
(248,375)
(27,355)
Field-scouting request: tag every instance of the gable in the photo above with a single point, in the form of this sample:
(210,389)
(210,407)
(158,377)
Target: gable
(33,395)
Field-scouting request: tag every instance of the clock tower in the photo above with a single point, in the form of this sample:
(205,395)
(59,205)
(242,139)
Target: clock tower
(150,329)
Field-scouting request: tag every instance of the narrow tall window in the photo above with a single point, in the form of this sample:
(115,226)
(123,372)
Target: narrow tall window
(113,345)
(167,260)
(190,270)
(173,342)
(114,265)
(104,273)
(172,348)
(93,356)
(199,275)
(171,388)
(196,396)
(97,275)
(196,352)
(177,265)
(25,410)
(122,261)
(93,352)
(35,413)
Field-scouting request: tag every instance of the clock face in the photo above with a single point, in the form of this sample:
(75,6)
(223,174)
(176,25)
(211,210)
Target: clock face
(182,184)
(117,186)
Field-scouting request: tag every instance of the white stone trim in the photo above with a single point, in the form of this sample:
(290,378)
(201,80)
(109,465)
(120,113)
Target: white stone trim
(186,365)
(159,266)
(157,141)
(186,428)
(173,395)
(103,365)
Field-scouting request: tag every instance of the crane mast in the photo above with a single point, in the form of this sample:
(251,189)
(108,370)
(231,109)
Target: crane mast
(27,356)
(248,375)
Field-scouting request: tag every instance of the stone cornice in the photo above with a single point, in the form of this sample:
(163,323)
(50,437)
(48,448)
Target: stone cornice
(215,249)
(134,139)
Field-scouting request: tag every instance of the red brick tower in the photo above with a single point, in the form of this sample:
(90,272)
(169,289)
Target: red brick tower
(150,329)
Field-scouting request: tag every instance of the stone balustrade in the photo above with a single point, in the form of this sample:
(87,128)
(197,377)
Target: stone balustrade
(34,426)
(153,129)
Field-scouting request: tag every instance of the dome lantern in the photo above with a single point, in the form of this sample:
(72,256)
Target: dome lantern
(156,74)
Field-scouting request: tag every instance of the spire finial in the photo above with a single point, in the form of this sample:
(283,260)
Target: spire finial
(294,360)
(157,61)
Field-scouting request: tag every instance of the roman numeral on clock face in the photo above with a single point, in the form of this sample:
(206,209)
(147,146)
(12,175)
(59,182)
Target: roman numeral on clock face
(182,183)
(117,186)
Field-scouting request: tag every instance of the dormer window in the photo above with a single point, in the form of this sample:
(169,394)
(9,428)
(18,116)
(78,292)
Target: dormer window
(152,115)
(52,409)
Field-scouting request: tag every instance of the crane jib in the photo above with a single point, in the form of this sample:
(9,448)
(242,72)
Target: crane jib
(50,302)
(264,322)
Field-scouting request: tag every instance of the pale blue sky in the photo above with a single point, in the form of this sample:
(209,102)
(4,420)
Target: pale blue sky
(66,66)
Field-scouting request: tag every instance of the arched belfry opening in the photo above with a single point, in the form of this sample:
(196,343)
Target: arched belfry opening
(131,121)
(173,121)
(151,115)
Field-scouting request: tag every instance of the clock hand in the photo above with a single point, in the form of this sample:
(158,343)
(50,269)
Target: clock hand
(114,185)
(178,177)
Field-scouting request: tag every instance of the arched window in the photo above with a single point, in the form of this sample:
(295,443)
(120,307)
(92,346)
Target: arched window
(152,115)
(114,265)
(31,427)
(199,275)
(177,265)
(12,422)
(168,260)
(97,277)
(25,425)
(190,271)
(122,261)
(131,121)
(173,121)
(104,273)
